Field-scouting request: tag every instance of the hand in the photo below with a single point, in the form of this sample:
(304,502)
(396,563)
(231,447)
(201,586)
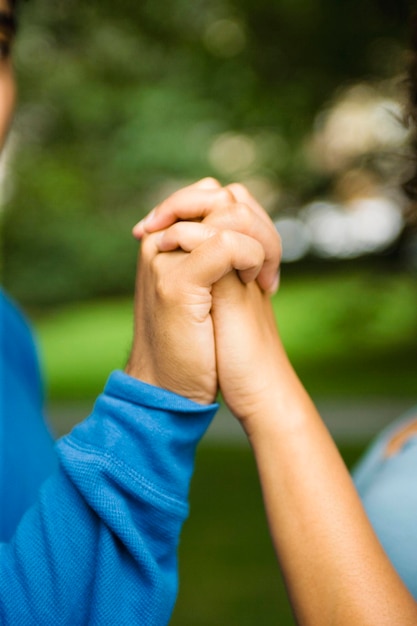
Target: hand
(247,343)
(226,208)
(251,361)
(173,340)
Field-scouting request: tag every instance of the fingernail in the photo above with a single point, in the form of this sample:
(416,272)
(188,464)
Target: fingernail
(140,228)
(148,219)
(158,239)
(275,285)
(137,230)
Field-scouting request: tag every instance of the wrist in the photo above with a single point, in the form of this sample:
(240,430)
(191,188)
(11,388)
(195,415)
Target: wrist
(178,384)
(285,407)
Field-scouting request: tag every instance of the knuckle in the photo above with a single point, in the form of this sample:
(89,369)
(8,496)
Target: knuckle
(225,196)
(174,231)
(209,230)
(243,214)
(239,189)
(154,266)
(210,181)
(225,238)
(163,285)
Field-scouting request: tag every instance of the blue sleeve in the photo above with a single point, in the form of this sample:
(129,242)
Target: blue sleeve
(100,544)
(27,455)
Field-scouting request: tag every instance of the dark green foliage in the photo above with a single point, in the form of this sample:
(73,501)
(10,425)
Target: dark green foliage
(120,103)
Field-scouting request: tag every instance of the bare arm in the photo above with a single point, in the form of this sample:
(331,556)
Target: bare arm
(335,569)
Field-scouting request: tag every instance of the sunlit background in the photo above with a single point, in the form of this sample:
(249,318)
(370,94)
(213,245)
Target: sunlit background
(304,101)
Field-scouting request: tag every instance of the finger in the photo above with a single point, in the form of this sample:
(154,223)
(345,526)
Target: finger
(190,235)
(207,183)
(241,218)
(194,202)
(184,235)
(242,194)
(190,203)
(220,254)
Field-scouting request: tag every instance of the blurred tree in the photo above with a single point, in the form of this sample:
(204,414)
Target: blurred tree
(123,102)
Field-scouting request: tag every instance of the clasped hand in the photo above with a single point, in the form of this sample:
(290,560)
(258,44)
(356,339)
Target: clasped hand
(209,262)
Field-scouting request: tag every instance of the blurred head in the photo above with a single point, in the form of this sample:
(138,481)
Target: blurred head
(7,84)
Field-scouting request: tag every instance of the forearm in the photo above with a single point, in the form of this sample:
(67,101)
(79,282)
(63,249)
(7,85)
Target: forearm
(335,569)
(100,544)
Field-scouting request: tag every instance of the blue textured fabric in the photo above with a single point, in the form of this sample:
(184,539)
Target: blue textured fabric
(99,545)
(388,489)
(27,456)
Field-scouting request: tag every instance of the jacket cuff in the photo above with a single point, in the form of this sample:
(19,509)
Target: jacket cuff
(144,432)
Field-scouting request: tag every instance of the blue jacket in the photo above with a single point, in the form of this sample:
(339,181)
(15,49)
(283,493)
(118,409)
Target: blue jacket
(99,543)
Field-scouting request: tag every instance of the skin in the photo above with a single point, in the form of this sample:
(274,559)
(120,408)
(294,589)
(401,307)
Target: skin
(7,82)
(400,438)
(334,566)
(174,339)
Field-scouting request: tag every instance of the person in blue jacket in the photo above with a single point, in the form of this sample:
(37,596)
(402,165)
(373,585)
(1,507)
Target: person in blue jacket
(89,527)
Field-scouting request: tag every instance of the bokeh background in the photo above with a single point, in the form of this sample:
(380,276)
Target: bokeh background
(301,100)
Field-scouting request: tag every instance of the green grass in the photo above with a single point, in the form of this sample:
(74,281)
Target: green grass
(82,343)
(352,333)
(228,570)
(347,334)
